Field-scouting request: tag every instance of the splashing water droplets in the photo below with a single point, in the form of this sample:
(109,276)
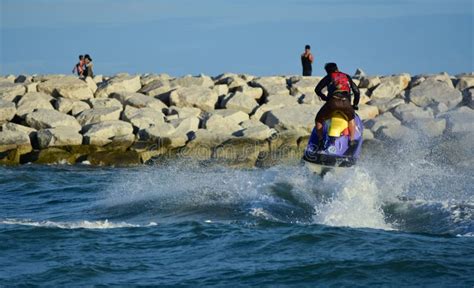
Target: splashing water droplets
(354,203)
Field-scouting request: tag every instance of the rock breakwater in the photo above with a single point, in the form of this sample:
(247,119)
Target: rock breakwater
(237,118)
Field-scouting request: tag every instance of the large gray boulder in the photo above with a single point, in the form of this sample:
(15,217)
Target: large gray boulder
(221,124)
(305,85)
(221,78)
(221,89)
(7,111)
(385,105)
(67,87)
(66,105)
(119,83)
(63,105)
(366,112)
(59,136)
(281,100)
(103,133)
(199,97)
(255,130)
(459,120)
(149,78)
(294,118)
(44,118)
(78,107)
(11,91)
(251,123)
(32,101)
(186,125)
(233,81)
(91,116)
(142,118)
(184,112)
(387,127)
(31,87)
(394,133)
(409,112)
(14,140)
(156,88)
(192,81)
(384,120)
(369,82)
(274,85)
(139,100)
(428,126)
(19,128)
(8,78)
(432,92)
(310,98)
(47,77)
(203,142)
(402,81)
(275,102)
(240,101)
(465,82)
(254,92)
(97,103)
(156,132)
(236,116)
(91,84)
(442,77)
(391,86)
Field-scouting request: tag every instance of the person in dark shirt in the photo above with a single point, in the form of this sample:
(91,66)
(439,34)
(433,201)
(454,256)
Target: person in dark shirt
(88,72)
(307,61)
(339,86)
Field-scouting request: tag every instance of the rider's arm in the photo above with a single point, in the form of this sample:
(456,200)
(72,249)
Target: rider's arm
(323,83)
(356,91)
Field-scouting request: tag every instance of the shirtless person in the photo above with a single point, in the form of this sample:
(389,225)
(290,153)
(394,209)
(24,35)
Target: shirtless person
(306,60)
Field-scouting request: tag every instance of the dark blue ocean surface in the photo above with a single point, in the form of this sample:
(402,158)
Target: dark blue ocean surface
(410,223)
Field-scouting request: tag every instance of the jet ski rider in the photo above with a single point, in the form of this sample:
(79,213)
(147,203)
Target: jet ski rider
(339,87)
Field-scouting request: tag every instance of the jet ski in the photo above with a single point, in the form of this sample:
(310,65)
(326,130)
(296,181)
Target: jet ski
(336,151)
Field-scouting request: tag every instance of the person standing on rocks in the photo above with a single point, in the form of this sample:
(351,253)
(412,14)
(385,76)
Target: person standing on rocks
(88,63)
(339,87)
(307,61)
(79,66)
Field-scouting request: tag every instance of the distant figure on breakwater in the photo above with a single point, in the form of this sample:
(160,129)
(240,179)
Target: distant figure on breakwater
(79,67)
(307,61)
(88,66)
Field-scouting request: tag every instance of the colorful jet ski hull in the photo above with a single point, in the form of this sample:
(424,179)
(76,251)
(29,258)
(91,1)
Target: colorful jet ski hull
(336,151)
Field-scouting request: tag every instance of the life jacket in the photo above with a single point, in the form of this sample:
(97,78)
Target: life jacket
(340,83)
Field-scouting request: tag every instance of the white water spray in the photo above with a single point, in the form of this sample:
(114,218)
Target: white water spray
(355,202)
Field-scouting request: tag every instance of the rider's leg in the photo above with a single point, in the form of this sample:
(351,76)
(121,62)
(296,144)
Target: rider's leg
(352,129)
(320,119)
(319,129)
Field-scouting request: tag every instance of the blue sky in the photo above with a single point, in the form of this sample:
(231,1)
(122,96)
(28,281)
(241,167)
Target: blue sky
(261,37)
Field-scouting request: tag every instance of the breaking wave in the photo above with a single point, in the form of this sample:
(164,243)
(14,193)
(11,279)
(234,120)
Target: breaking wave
(105,224)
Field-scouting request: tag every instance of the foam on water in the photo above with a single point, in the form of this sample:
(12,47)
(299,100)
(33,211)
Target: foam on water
(355,202)
(84,224)
(404,186)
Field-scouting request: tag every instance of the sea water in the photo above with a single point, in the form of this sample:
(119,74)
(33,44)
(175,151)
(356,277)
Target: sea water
(401,217)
